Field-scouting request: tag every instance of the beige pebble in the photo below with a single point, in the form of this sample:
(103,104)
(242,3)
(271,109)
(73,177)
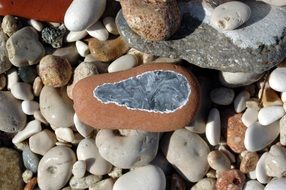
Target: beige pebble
(29,107)
(36,24)
(205,184)
(22,91)
(42,142)
(109,24)
(218,161)
(106,184)
(82,183)
(31,128)
(98,31)
(12,78)
(69,52)
(79,169)
(65,134)
(27,176)
(9,25)
(38,116)
(82,48)
(124,62)
(275,162)
(248,162)
(75,36)
(37,86)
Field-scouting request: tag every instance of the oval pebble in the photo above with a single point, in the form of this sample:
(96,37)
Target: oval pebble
(12,78)
(106,184)
(213,127)
(260,170)
(42,142)
(253,185)
(65,134)
(75,36)
(240,101)
(249,117)
(82,48)
(79,168)
(277,78)
(30,160)
(82,128)
(222,96)
(218,161)
(98,31)
(32,128)
(142,178)
(109,24)
(29,107)
(122,63)
(276,184)
(237,79)
(36,24)
(275,162)
(22,91)
(279,3)
(230,15)
(268,115)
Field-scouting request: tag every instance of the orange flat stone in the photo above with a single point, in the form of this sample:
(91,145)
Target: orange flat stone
(42,10)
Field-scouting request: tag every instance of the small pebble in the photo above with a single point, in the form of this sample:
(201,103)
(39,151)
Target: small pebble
(222,96)
(276,184)
(106,184)
(82,128)
(240,101)
(3,81)
(82,48)
(122,63)
(109,24)
(53,35)
(229,154)
(115,173)
(253,185)
(27,175)
(27,74)
(29,107)
(268,115)
(22,91)
(75,36)
(98,31)
(230,179)
(37,86)
(248,162)
(79,169)
(30,160)
(260,170)
(229,79)
(213,127)
(282,125)
(36,24)
(65,134)
(42,142)
(82,183)
(275,162)
(32,128)
(205,184)
(270,98)
(277,78)
(69,52)
(9,25)
(218,161)
(13,78)
(249,117)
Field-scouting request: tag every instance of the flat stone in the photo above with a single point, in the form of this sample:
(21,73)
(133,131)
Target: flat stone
(246,49)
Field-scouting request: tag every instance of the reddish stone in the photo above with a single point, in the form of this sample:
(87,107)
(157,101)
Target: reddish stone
(31,184)
(230,180)
(43,10)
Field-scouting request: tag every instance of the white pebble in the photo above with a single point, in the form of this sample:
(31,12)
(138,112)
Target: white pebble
(251,175)
(32,128)
(249,117)
(277,79)
(65,134)
(283,96)
(213,127)
(22,91)
(42,142)
(110,25)
(98,31)
(276,184)
(260,170)
(278,3)
(12,78)
(37,25)
(240,101)
(222,96)
(124,62)
(75,36)
(79,169)
(268,115)
(82,128)
(82,48)
(253,185)
(29,107)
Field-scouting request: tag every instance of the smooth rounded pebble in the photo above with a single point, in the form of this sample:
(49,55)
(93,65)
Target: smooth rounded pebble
(36,24)
(32,128)
(276,184)
(69,52)
(275,162)
(277,78)
(98,31)
(124,62)
(268,115)
(258,136)
(218,160)
(229,79)
(22,91)
(76,21)
(29,107)
(55,168)
(82,128)
(79,168)
(109,24)
(82,48)
(65,134)
(188,152)
(30,160)
(42,142)
(95,164)
(253,185)
(37,86)
(230,15)
(133,149)
(106,184)
(222,96)
(12,77)
(142,178)
(282,124)
(240,101)
(278,3)
(205,184)
(249,117)
(75,36)
(260,170)
(213,127)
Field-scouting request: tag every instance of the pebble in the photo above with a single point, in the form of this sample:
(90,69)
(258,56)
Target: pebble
(122,63)
(38,116)
(42,142)
(56,107)
(218,161)
(31,184)
(24,48)
(279,3)
(9,25)
(82,183)
(213,127)
(240,101)
(27,176)
(65,134)
(13,78)
(55,71)
(82,128)
(229,79)
(258,136)
(277,78)
(271,98)
(248,162)
(29,107)
(268,115)
(229,154)
(260,170)
(275,162)
(222,96)
(276,184)
(75,36)
(76,21)
(109,24)
(188,152)
(82,48)
(30,160)
(282,125)
(53,35)
(36,24)
(5,63)
(230,179)
(32,128)
(22,91)
(249,117)
(230,15)
(79,168)
(253,185)
(108,50)
(142,178)
(12,119)
(125,150)
(106,184)
(115,172)
(3,81)
(95,164)
(69,52)
(98,31)
(55,168)
(205,184)
(27,74)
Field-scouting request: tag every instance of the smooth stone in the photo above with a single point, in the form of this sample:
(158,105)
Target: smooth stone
(27,176)
(82,128)
(252,175)
(282,125)
(10,170)
(222,96)
(276,184)
(213,127)
(22,91)
(279,3)
(283,97)
(42,142)
(5,63)
(253,185)
(36,24)
(79,168)
(275,162)
(248,162)
(98,31)
(82,48)
(239,102)
(38,116)
(29,107)
(24,48)
(3,81)
(106,184)
(258,136)
(76,21)
(27,74)
(249,117)
(101,66)
(95,164)
(70,53)
(109,24)
(56,107)
(82,183)
(12,78)
(230,178)
(142,178)
(260,170)
(230,15)
(12,119)
(270,98)
(55,168)
(30,160)
(229,79)
(65,134)
(218,161)
(276,79)
(133,149)
(187,152)
(9,25)
(32,128)
(227,152)
(205,184)
(75,36)
(123,63)
(268,115)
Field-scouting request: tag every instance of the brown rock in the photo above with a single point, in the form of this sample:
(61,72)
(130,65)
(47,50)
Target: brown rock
(31,184)
(230,180)
(270,98)
(108,50)
(154,19)
(151,107)
(248,162)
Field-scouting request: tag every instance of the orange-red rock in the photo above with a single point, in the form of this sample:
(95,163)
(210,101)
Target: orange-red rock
(166,105)
(230,180)
(43,10)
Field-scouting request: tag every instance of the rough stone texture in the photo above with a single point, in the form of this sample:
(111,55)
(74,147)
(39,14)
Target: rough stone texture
(246,49)
(5,64)
(10,170)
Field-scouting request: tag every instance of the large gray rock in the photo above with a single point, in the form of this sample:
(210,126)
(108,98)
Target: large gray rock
(255,47)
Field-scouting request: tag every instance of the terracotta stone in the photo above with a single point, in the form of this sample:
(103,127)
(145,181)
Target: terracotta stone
(92,111)
(230,180)
(31,184)
(108,50)
(44,10)
(153,20)
(248,162)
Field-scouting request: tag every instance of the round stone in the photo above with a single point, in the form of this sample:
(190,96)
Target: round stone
(218,160)
(27,74)
(275,162)
(5,64)
(109,24)
(253,185)
(213,127)
(260,170)
(79,168)
(123,63)
(276,79)
(238,79)
(98,31)
(248,162)
(222,96)
(268,115)
(42,142)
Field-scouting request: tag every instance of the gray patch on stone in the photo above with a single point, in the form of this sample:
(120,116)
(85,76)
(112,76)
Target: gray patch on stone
(255,47)
(152,91)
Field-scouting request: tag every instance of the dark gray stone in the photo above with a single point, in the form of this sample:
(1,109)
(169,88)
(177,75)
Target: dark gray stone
(255,47)
(28,73)
(54,35)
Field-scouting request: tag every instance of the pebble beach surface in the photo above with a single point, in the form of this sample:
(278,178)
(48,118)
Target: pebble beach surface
(81,108)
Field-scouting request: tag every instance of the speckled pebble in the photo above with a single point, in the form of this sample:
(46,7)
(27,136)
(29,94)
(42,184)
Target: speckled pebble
(30,159)
(5,63)
(9,25)
(27,175)
(53,35)
(248,162)
(230,180)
